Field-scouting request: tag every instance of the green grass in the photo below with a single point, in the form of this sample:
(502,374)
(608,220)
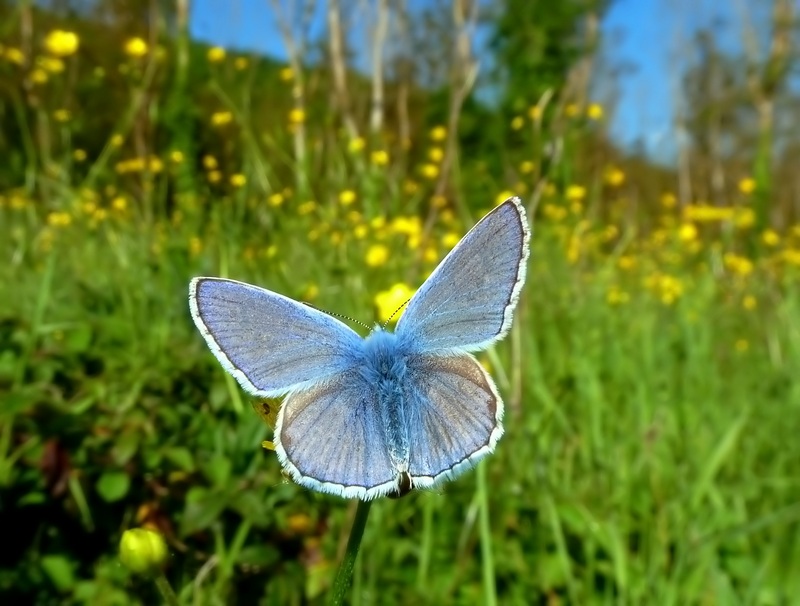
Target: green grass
(650,454)
(648,459)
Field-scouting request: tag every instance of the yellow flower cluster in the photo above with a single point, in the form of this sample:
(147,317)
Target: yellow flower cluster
(389,301)
(666,287)
(62,43)
(154,164)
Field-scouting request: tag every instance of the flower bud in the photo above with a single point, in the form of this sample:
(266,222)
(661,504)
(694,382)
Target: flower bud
(142,551)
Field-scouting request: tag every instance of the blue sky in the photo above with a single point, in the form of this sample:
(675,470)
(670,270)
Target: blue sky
(652,38)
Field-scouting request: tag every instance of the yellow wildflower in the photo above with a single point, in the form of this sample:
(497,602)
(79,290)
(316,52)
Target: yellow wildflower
(379,157)
(287,74)
(54,65)
(410,186)
(738,264)
(749,302)
(117,140)
(517,122)
(62,43)
(571,110)
(450,239)
(306,207)
(705,213)
(59,219)
(747,185)
(575,193)
(216,54)
(744,218)
(435,154)
(176,156)
(535,113)
(61,115)
(616,296)
(14,55)
(687,232)
(626,262)
(214,176)
(79,155)
(347,197)
(791,256)
(297,116)
(356,145)
(360,232)
(238,180)
(595,111)
(408,226)
(210,162)
(39,76)
(503,196)
(119,204)
(614,177)
(377,255)
(389,302)
(438,133)
(136,47)
(221,118)
(241,63)
(275,199)
(668,200)
(554,212)
(429,171)
(526,167)
(770,237)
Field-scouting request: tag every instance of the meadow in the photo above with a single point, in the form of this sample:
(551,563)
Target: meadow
(650,379)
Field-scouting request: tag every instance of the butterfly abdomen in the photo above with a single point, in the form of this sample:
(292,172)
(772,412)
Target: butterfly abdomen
(384,368)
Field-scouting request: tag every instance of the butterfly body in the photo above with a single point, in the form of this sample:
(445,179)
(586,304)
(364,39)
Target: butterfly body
(377,416)
(384,369)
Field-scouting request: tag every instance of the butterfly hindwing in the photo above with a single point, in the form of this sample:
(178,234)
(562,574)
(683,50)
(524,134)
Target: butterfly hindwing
(330,438)
(455,417)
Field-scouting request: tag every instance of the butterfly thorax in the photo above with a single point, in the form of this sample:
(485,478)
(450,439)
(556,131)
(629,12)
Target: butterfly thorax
(384,368)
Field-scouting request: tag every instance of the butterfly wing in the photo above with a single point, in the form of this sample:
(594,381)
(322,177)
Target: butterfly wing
(269,343)
(468,302)
(455,417)
(330,439)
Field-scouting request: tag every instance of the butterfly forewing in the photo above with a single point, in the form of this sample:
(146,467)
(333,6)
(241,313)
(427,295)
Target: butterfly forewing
(269,342)
(468,301)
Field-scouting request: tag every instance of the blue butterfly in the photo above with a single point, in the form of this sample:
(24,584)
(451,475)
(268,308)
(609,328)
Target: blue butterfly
(376,416)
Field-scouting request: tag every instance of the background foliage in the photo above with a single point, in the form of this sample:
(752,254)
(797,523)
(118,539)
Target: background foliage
(651,451)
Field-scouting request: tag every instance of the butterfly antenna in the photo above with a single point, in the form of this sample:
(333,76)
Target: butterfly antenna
(394,313)
(340,316)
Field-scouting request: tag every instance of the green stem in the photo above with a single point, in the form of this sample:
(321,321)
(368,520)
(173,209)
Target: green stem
(166,590)
(345,572)
(489,590)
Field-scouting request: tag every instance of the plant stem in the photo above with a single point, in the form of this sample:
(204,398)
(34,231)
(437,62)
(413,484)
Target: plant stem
(166,590)
(345,573)
(489,591)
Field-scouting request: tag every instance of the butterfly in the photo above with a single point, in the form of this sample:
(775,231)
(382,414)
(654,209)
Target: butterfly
(379,415)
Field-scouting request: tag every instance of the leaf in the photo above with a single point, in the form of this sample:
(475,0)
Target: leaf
(79,338)
(113,485)
(218,470)
(125,447)
(181,456)
(60,571)
(203,507)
